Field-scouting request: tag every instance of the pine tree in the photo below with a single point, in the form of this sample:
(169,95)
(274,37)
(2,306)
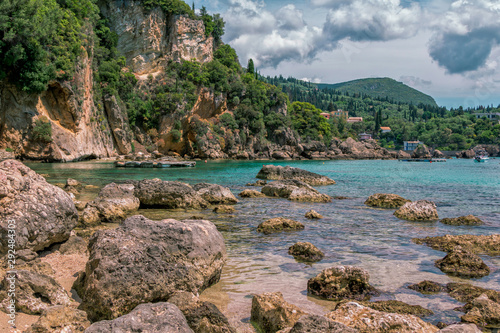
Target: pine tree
(250,66)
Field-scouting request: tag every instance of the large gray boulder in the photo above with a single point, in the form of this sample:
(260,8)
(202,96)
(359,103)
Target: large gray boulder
(215,194)
(318,324)
(115,202)
(294,190)
(167,194)
(147,261)
(421,210)
(151,318)
(276,172)
(42,214)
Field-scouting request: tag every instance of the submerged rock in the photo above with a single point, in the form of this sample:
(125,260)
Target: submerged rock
(341,282)
(312,214)
(461,328)
(144,261)
(60,319)
(462,263)
(465,292)
(475,244)
(318,324)
(421,210)
(167,194)
(251,194)
(43,214)
(463,220)
(215,194)
(279,224)
(384,200)
(276,172)
(398,307)
(224,209)
(427,287)
(154,318)
(483,312)
(367,320)
(305,251)
(294,190)
(115,202)
(271,313)
(258,183)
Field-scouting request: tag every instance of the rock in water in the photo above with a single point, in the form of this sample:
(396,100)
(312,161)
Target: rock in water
(251,194)
(366,319)
(462,263)
(224,209)
(215,194)
(154,318)
(305,251)
(422,210)
(394,306)
(271,313)
(294,190)
(166,194)
(318,324)
(427,287)
(312,214)
(481,244)
(422,151)
(276,172)
(463,220)
(465,292)
(43,214)
(483,312)
(279,224)
(461,328)
(144,261)
(115,202)
(384,200)
(341,282)
(60,319)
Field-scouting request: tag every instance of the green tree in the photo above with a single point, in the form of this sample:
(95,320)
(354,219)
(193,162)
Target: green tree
(250,66)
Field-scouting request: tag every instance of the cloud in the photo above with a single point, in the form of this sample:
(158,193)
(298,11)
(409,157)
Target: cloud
(414,81)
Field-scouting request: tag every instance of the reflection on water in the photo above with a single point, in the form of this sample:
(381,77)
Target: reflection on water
(350,233)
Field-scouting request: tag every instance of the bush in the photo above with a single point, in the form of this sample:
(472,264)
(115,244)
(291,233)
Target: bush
(176,135)
(42,130)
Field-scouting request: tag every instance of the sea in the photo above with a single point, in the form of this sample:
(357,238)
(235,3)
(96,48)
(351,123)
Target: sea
(349,234)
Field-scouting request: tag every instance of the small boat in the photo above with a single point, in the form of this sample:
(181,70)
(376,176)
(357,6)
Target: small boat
(481,158)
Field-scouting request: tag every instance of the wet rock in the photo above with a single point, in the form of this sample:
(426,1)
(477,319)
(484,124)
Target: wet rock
(384,200)
(43,213)
(465,292)
(115,202)
(475,244)
(398,307)
(422,151)
(318,324)
(367,320)
(341,282)
(276,172)
(149,317)
(34,292)
(279,224)
(60,319)
(202,317)
(74,245)
(224,209)
(271,313)
(461,263)
(73,182)
(258,183)
(461,328)
(312,214)
(215,194)
(166,194)
(421,210)
(305,251)
(90,216)
(438,154)
(252,194)
(143,261)
(463,220)
(483,312)
(294,190)
(340,197)
(427,287)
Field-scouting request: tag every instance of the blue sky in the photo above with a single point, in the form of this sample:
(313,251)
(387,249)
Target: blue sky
(448,49)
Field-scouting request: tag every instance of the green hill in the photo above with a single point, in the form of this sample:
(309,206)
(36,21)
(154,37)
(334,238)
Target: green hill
(382,87)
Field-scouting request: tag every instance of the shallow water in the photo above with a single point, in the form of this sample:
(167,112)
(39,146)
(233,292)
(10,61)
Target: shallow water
(350,233)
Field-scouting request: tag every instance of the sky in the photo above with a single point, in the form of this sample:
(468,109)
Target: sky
(448,49)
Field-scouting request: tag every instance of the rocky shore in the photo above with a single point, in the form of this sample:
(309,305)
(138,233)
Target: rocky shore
(134,273)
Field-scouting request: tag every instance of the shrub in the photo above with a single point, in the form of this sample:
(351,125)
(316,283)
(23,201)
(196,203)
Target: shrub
(176,135)
(42,130)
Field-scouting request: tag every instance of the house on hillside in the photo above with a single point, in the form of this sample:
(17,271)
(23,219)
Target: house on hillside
(411,145)
(385,129)
(490,115)
(355,119)
(325,114)
(365,136)
(340,113)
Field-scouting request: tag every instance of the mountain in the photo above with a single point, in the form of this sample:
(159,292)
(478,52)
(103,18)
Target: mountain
(382,87)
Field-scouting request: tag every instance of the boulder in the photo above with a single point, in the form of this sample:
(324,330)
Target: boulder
(483,312)
(465,292)
(438,154)
(34,292)
(271,313)
(294,190)
(475,244)
(224,209)
(90,216)
(383,200)
(74,245)
(394,306)
(312,214)
(427,287)
(276,172)
(305,251)
(60,319)
(149,317)
(281,155)
(215,194)
(279,224)
(258,183)
(251,194)
(463,220)
(115,202)
(402,155)
(421,210)
(167,194)
(341,282)
(201,316)
(461,328)
(42,214)
(144,261)
(366,319)
(466,154)
(461,263)
(318,324)
(422,151)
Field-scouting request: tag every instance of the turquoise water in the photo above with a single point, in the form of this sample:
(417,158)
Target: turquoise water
(350,233)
